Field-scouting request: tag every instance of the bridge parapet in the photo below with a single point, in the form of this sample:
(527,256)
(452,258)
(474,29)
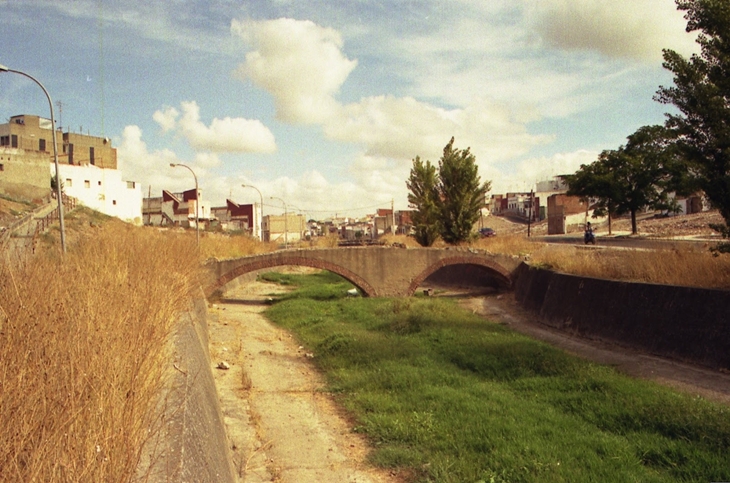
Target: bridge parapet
(376,271)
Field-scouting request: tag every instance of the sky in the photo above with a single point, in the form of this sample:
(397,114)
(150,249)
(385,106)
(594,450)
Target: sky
(322,105)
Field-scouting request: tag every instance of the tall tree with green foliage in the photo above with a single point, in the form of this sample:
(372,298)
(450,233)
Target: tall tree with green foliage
(632,177)
(594,183)
(424,199)
(701,93)
(461,193)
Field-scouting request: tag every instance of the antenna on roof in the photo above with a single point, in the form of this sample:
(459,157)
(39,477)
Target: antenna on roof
(60,114)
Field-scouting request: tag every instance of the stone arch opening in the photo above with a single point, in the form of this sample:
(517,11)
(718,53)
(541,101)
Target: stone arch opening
(259,263)
(464,273)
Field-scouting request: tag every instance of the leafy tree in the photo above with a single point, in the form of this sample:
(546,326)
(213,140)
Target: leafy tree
(594,183)
(461,193)
(701,93)
(632,177)
(424,199)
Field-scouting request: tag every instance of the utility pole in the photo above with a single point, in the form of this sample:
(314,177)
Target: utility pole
(529,216)
(392,212)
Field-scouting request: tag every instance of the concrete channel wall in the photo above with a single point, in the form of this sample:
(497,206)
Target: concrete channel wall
(192,445)
(682,323)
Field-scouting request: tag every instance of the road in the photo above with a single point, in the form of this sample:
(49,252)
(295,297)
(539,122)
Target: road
(625,241)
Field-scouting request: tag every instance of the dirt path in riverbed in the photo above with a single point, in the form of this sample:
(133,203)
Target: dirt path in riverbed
(281,426)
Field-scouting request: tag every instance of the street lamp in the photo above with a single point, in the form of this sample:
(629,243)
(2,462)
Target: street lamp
(55,153)
(286,223)
(197,201)
(261,221)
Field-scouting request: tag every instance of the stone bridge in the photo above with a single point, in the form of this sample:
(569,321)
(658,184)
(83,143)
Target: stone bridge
(376,271)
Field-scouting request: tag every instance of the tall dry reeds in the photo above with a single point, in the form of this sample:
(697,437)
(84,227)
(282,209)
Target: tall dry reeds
(82,349)
(691,267)
(219,245)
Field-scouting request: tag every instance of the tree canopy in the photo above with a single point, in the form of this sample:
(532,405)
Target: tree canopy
(630,178)
(701,93)
(423,196)
(461,193)
(446,203)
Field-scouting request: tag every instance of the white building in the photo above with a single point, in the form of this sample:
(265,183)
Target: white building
(102,190)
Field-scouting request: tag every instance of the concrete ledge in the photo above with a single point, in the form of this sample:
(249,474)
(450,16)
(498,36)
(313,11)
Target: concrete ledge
(683,323)
(193,446)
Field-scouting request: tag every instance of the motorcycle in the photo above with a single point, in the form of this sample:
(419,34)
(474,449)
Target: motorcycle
(589,237)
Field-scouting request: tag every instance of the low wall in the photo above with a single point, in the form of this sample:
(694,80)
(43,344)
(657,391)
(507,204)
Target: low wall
(688,324)
(193,445)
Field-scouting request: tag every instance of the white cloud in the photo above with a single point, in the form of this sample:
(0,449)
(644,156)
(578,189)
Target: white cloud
(166,119)
(298,62)
(207,160)
(622,28)
(137,163)
(528,172)
(404,127)
(227,135)
(302,66)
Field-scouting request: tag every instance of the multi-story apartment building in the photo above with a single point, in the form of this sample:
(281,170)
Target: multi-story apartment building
(33,133)
(88,166)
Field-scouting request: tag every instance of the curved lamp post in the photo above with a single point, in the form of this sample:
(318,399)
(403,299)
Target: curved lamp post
(197,201)
(55,153)
(261,220)
(286,223)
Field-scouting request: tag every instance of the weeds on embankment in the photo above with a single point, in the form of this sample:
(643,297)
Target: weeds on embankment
(445,396)
(82,352)
(690,265)
(220,245)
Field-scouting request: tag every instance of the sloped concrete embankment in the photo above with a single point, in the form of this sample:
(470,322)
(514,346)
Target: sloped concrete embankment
(192,445)
(682,323)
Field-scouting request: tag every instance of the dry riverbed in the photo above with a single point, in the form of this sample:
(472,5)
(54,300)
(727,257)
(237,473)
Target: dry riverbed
(281,426)
(284,428)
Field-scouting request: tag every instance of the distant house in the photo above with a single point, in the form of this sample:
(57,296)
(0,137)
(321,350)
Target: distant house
(102,190)
(235,217)
(176,209)
(286,228)
(564,210)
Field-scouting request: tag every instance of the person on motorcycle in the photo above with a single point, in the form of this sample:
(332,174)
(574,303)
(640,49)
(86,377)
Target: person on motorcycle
(589,237)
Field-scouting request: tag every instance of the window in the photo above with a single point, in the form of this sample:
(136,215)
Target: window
(4,140)
(114,202)
(41,145)
(2,167)
(70,154)
(99,183)
(13,140)
(91,155)
(87,183)
(130,185)
(69,183)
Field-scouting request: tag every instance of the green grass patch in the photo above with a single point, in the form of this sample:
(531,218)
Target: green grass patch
(445,396)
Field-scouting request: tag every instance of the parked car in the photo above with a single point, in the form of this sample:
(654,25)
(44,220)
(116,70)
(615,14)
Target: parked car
(487,232)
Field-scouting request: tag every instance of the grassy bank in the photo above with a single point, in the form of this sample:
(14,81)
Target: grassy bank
(82,345)
(689,266)
(445,396)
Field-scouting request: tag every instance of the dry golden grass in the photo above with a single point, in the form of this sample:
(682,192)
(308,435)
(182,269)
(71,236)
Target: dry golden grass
(328,241)
(692,266)
(82,350)
(509,245)
(218,245)
(686,267)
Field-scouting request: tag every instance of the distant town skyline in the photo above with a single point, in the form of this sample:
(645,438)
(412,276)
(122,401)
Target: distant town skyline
(325,104)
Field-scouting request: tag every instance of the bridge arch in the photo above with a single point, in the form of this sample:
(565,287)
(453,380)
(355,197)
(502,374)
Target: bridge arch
(502,276)
(270,262)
